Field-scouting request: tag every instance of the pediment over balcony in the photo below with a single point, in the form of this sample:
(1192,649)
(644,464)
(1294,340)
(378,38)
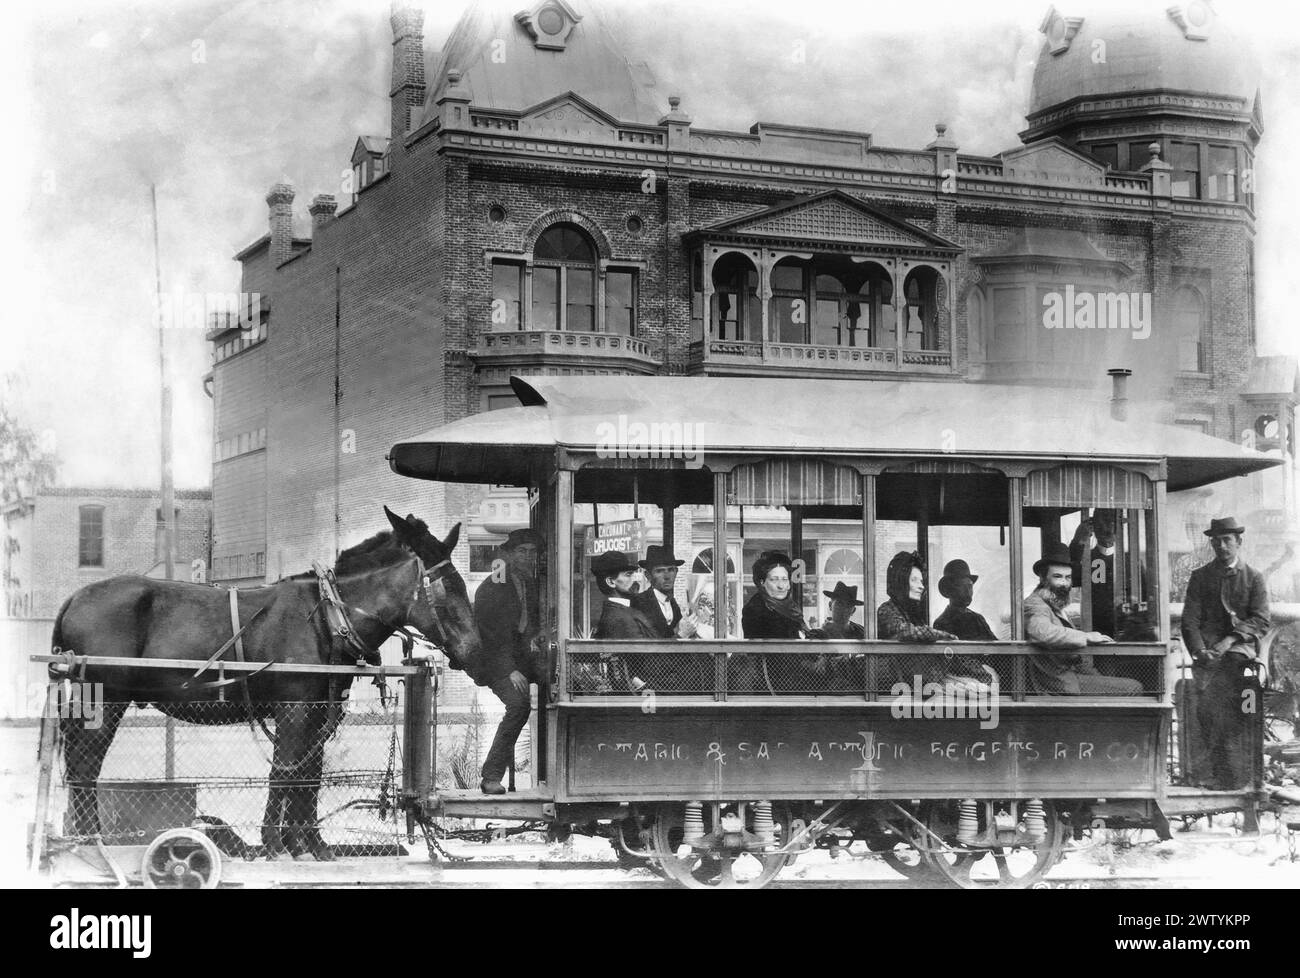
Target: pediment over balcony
(1052,161)
(833,217)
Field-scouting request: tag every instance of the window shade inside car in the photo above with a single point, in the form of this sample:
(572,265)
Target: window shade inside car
(1070,486)
(791,482)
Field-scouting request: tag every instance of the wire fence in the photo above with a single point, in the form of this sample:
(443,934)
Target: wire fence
(311,769)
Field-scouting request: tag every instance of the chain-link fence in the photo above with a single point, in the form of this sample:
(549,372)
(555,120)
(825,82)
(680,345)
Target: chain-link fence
(874,675)
(297,776)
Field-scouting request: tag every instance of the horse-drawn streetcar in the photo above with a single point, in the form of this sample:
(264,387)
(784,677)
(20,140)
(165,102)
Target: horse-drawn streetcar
(722,758)
(717,758)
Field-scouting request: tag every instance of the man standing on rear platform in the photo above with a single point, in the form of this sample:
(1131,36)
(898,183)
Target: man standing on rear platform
(1225,616)
(507,616)
(1061,669)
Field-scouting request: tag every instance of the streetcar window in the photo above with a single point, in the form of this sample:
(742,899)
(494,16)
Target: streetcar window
(1105,517)
(941,513)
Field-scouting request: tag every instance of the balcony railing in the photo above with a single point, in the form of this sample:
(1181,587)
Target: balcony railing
(609,345)
(775,356)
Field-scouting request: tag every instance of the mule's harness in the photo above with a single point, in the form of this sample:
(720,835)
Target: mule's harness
(339,621)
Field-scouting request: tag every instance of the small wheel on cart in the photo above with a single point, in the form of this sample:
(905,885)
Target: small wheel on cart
(181,859)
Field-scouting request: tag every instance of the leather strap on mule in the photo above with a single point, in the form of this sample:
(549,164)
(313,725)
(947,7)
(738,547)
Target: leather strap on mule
(336,614)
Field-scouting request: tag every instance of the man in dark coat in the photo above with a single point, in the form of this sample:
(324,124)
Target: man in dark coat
(958,586)
(844,604)
(507,616)
(1100,569)
(657,602)
(616,576)
(1225,616)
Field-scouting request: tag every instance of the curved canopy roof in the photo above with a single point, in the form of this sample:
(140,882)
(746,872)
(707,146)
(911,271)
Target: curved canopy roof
(787,416)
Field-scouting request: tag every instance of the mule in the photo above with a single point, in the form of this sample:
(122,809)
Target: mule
(397,578)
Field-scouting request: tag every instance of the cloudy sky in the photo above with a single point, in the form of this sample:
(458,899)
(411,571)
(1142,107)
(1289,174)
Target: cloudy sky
(213,102)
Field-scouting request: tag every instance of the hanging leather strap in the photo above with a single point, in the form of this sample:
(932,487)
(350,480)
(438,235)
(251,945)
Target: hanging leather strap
(235,630)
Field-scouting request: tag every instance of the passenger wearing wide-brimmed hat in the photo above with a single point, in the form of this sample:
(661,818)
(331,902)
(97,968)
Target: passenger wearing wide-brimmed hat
(1225,616)
(844,602)
(616,575)
(508,619)
(657,602)
(1062,669)
(958,585)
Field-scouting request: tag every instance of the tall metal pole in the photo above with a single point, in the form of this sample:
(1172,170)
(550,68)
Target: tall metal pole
(168,489)
(338,397)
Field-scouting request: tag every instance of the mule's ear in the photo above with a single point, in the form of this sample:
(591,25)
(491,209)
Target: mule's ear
(452,537)
(400,525)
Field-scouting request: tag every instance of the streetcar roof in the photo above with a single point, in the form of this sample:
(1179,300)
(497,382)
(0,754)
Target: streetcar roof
(788,416)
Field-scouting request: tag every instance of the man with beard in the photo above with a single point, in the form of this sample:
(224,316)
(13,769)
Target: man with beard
(615,575)
(1224,618)
(507,617)
(1062,670)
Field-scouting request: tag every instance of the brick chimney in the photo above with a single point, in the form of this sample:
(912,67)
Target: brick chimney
(407,93)
(322,210)
(280,201)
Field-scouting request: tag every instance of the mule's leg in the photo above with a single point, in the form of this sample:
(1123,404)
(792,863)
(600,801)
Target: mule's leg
(84,749)
(273,820)
(319,724)
(292,772)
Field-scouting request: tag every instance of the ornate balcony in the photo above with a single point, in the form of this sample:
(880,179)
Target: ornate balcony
(543,351)
(721,357)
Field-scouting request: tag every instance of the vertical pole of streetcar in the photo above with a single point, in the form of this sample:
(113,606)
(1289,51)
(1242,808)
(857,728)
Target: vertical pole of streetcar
(166,501)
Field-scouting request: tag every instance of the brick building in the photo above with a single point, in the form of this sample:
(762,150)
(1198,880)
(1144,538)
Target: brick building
(63,539)
(539,207)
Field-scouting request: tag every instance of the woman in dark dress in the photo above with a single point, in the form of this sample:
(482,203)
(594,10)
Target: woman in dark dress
(772,613)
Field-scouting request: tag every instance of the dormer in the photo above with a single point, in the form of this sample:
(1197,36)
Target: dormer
(549,24)
(369,162)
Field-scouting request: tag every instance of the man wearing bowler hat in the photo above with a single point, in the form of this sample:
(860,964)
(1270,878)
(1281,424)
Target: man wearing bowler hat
(657,602)
(958,586)
(507,617)
(1225,616)
(1061,668)
(616,576)
(844,602)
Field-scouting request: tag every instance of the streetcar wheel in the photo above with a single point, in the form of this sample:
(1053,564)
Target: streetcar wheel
(181,859)
(908,862)
(715,869)
(1012,866)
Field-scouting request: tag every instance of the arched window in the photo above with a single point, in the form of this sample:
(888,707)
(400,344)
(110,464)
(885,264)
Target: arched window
(1189,322)
(920,292)
(564,280)
(703,563)
(789,310)
(975,337)
(735,313)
